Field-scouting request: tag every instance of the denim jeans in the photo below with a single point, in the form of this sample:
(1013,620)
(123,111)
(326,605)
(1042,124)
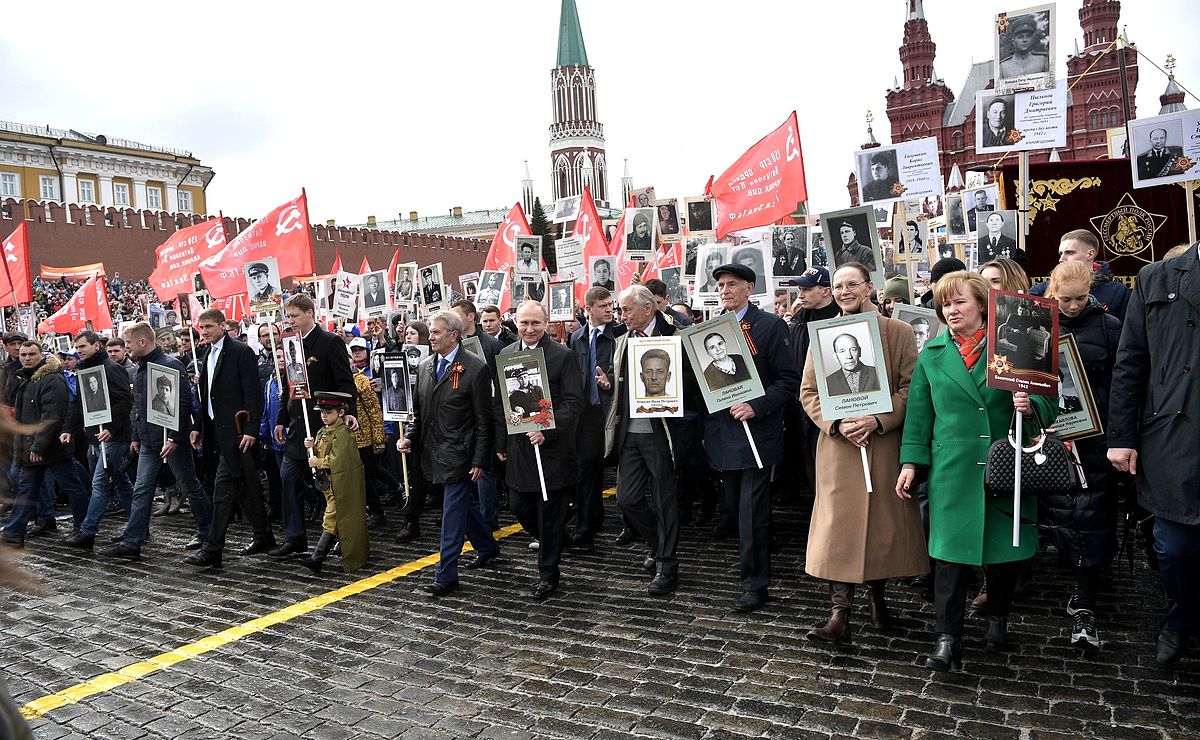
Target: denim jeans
(489,499)
(292,473)
(31,486)
(1178,548)
(149,465)
(116,452)
(460,516)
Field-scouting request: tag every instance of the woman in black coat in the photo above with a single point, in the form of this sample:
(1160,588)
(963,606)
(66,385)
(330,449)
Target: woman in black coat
(1086,517)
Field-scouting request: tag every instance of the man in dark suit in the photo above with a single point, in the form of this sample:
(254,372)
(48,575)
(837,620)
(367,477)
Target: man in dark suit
(851,250)
(746,485)
(593,346)
(852,375)
(486,487)
(883,177)
(489,321)
(327,370)
(1158,160)
(431,290)
(544,519)
(452,429)
(980,205)
(997,123)
(993,243)
(374,295)
(227,423)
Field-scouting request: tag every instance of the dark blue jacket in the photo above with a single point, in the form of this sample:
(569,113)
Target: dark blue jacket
(1111,295)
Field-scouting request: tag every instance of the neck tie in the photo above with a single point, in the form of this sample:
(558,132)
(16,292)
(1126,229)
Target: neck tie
(212,368)
(441,371)
(593,361)
(640,333)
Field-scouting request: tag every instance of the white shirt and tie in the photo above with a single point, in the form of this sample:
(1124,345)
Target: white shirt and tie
(214,352)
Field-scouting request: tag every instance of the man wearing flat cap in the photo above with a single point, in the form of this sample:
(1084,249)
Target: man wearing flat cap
(1023,33)
(258,282)
(883,177)
(851,250)
(745,485)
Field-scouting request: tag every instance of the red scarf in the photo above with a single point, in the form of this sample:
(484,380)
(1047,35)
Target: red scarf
(971,348)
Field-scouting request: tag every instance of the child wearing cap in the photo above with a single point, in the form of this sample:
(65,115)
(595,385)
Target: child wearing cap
(339,472)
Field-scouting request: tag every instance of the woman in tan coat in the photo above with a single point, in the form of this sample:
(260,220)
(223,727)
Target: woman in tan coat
(854,536)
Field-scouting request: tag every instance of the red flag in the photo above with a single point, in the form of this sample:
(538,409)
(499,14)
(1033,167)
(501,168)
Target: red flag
(337,262)
(283,234)
(365,267)
(764,184)
(626,268)
(392,267)
(590,230)
(79,272)
(16,259)
(233,306)
(90,303)
(502,255)
(196,309)
(671,255)
(179,256)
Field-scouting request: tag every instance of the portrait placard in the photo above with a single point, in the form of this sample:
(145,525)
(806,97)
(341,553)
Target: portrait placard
(470,286)
(414,355)
(848,362)
(162,385)
(1023,343)
(171,318)
(491,287)
(530,291)
(295,364)
(474,347)
(562,300)
(911,237)
(924,322)
(184,305)
(93,395)
(956,218)
(677,289)
(699,216)
(345,294)
(655,377)
(818,254)
(262,281)
(979,202)
(63,343)
(155,315)
(26,320)
(907,170)
(602,271)
(667,213)
(855,239)
(406,282)
(643,197)
(1118,142)
(1021,122)
(710,256)
(1078,417)
(998,237)
(433,287)
(754,256)
(568,253)
(640,227)
(528,406)
(1165,149)
(789,250)
(1024,49)
(529,258)
(396,396)
(375,294)
(723,362)
(691,251)
(566,209)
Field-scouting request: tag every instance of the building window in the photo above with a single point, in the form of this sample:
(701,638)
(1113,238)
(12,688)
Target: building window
(153,197)
(1115,118)
(1095,120)
(8,185)
(958,140)
(120,194)
(87,191)
(49,185)
(185,201)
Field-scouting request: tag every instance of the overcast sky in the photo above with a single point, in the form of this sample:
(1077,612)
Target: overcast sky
(383,108)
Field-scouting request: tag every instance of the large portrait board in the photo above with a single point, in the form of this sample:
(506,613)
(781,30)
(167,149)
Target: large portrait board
(396,396)
(294,364)
(162,387)
(406,282)
(655,377)
(262,281)
(641,227)
(924,322)
(562,301)
(528,253)
(848,362)
(525,391)
(1165,149)
(723,362)
(789,250)
(1024,121)
(93,395)
(1024,49)
(1078,417)
(434,290)
(491,288)
(375,294)
(710,256)
(998,237)
(1023,343)
(902,171)
(699,215)
(854,238)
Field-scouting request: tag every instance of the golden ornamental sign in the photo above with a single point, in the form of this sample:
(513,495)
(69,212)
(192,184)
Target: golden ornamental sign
(1042,192)
(1128,229)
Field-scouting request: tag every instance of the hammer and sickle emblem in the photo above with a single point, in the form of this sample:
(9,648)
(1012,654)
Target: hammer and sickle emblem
(509,235)
(289,221)
(793,151)
(215,235)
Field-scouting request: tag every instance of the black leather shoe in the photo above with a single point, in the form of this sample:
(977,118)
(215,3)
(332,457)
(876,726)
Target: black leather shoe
(582,545)
(437,588)
(626,536)
(12,541)
(408,533)
(1171,647)
(205,559)
(80,540)
(259,546)
(116,539)
(662,585)
(289,548)
(751,600)
(375,521)
(42,527)
(725,528)
(123,552)
(194,543)
(995,637)
(543,590)
(479,560)
(947,653)
(648,563)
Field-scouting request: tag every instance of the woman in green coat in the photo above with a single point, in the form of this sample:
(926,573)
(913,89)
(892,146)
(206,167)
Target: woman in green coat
(952,419)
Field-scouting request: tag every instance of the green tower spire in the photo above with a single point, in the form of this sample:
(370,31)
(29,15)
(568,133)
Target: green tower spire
(571,52)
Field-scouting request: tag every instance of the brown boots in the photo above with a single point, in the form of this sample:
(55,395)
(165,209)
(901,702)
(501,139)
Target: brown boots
(836,629)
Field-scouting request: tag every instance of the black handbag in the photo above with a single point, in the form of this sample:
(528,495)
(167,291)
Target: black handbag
(1047,466)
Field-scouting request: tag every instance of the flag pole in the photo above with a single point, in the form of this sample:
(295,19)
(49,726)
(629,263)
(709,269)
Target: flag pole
(103,452)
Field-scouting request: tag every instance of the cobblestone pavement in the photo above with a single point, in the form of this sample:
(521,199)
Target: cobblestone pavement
(600,659)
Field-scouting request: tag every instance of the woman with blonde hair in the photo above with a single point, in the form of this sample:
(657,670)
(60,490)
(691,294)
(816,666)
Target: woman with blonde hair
(1004,274)
(952,419)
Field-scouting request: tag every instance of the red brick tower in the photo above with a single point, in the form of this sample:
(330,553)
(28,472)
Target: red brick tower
(1096,100)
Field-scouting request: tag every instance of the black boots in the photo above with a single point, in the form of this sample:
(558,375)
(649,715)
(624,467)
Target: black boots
(836,629)
(947,653)
(313,562)
(880,619)
(995,637)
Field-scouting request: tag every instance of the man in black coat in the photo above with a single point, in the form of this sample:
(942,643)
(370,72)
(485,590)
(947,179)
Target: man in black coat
(593,346)
(452,428)
(544,519)
(746,485)
(114,437)
(41,398)
(489,321)
(1153,425)
(226,426)
(816,304)
(328,370)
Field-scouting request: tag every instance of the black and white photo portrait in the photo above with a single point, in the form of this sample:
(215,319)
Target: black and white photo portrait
(996,115)
(912,240)
(855,238)
(162,385)
(677,291)
(1024,333)
(396,399)
(433,288)
(752,256)
(998,237)
(524,290)
(711,256)
(562,300)
(644,197)
(529,257)
(406,283)
(879,173)
(566,209)
(848,350)
(294,364)
(1159,148)
(491,287)
(699,215)
(956,218)
(375,293)
(93,395)
(818,254)
(1024,48)
(789,247)
(924,322)
(979,201)
(667,213)
(723,368)
(602,272)
(639,232)
(262,281)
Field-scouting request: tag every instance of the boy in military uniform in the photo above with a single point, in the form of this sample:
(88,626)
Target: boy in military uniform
(339,474)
